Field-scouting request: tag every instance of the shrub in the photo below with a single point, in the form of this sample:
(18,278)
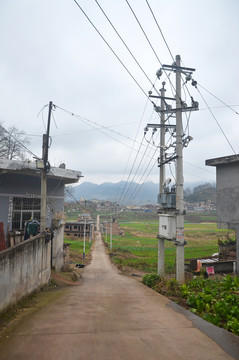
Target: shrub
(151,279)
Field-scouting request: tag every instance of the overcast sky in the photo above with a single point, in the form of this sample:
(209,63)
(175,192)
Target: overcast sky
(50,52)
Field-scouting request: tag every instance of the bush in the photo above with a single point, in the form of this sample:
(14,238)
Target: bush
(151,279)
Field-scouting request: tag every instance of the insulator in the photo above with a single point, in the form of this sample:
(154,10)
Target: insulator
(159,73)
(194,83)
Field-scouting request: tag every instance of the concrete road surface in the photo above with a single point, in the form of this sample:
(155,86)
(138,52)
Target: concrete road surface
(109,317)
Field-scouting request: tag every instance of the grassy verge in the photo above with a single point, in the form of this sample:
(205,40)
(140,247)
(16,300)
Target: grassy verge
(216,301)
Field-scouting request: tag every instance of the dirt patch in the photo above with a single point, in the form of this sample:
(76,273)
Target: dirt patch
(70,278)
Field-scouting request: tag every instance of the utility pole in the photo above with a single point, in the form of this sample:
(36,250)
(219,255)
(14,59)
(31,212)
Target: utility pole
(45,146)
(171,218)
(90,225)
(179,178)
(161,241)
(111,234)
(106,224)
(84,240)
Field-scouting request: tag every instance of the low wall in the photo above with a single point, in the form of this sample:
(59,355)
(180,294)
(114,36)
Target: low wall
(24,268)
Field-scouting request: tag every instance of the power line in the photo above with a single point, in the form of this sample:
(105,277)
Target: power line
(93,123)
(127,181)
(199,167)
(135,191)
(140,186)
(149,42)
(131,183)
(77,201)
(141,27)
(124,42)
(19,142)
(106,42)
(214,117)
(160,29)
(230,107)
(132,150)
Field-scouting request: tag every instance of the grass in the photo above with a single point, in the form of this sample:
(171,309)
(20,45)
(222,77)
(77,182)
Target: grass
(139,247)
(76,248)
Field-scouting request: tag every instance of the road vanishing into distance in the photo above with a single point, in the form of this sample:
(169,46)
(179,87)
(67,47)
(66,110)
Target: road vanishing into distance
(110,316)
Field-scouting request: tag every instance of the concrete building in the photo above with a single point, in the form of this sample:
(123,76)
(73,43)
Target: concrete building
(25,265)
(227,184)
(20,193)
(77,228)
(20,200)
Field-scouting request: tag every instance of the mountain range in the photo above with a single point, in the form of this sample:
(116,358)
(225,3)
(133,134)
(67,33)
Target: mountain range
(135,193)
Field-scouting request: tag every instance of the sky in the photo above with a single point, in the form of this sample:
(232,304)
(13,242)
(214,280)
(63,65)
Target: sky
(51,52)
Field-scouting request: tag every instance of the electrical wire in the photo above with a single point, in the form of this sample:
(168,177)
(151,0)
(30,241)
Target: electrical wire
(106,42)
(19,142)
(77,201)
(120,37)
(126,166)
(41,112)
(127,181)
(149,42)
(214,117)
(230,107)
(140,185)
(93,123)
(135,191)
(141,27)
(89,130)
(160,30)
(199,167)
(131,183)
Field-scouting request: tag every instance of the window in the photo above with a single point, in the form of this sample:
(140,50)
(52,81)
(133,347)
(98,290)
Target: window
(24,209)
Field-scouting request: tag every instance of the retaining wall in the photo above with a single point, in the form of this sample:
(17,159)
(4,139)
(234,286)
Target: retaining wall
(24,268)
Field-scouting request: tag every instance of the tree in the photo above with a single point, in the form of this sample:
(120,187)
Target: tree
(12,142)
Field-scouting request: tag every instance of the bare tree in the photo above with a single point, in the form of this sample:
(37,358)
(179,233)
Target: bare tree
(12,142)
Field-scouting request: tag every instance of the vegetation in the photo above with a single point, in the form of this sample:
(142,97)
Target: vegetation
(201,193)
(138,249)
(76,248)
(216,301)
(10,143)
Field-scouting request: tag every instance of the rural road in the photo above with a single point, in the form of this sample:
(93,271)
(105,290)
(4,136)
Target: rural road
(109,317)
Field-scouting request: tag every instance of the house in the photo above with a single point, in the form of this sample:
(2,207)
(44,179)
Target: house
(227,187)
(20,194)
(80,228)
(25,265)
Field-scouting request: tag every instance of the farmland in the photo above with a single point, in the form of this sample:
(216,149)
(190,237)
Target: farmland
(138,249)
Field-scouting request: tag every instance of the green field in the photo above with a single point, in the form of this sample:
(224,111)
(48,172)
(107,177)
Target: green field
(139,247)
(76,248)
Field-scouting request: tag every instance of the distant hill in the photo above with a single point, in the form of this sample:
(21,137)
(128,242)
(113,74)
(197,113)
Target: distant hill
(146,195)
(201,193)
(111,191)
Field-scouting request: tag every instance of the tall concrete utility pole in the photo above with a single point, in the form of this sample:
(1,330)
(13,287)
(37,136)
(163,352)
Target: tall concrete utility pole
(111,234)
(161,241)
(45,146)
(179,178)
(84,239)
(106,232)
(171,209)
